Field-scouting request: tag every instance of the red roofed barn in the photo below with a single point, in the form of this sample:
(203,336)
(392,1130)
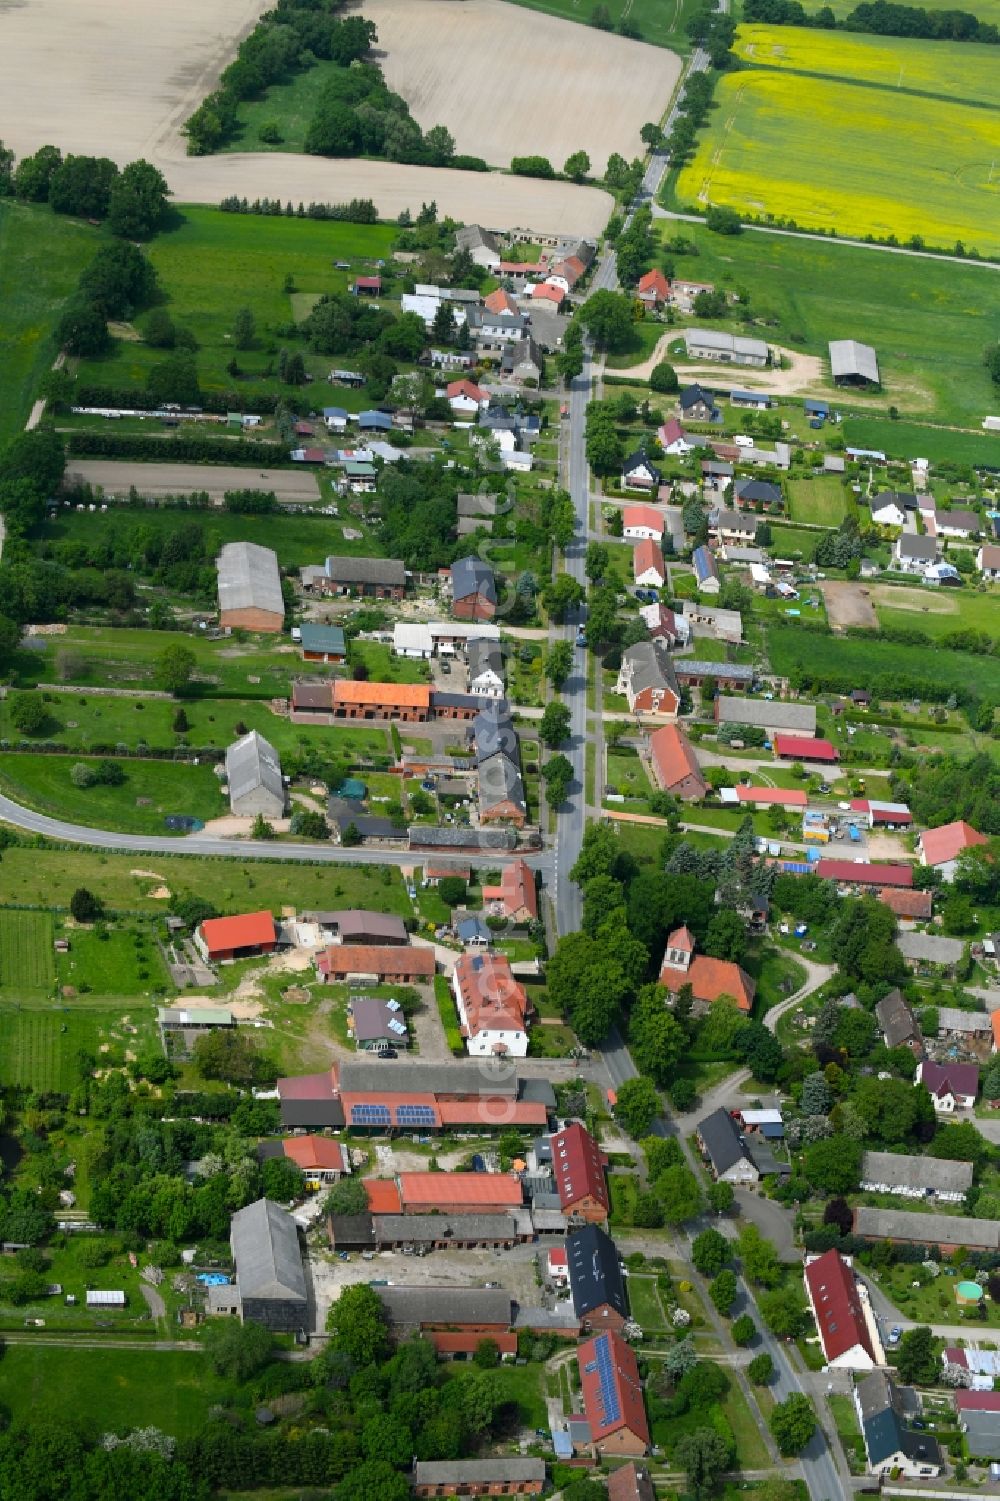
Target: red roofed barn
(805,748)
(222,939)
(459,1193)
(846,1329)
(578,1164)
(612,1395)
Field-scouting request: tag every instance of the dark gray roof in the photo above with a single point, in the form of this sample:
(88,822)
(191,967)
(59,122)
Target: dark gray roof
(641,460)
(493,730)
(652,667)
(483,655)
(409,1076)
(729,672)
(432,1227)
(248,578)
(266,1251)
(253,762)
(500,781)
(441,700)
(882,1422)
(758,711)
(722,1140)
(595,1274)
(388,571)
(982,1431)
(905,499)
(473,576)
(372,1017)
(735,521)
(539,1091)
(691,395)
(425,836)
(352,1229)
(501,1471)
(409,1307)
(921,549)
(477,505)
(896,1019)
(758,489)
(903,1171)
(926,1229)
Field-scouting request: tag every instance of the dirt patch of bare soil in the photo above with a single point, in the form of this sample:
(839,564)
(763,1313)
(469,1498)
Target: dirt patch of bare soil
(849,604)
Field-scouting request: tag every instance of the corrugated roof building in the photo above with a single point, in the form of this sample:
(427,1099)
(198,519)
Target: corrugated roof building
(250,595)
(269,1273)
(253,772)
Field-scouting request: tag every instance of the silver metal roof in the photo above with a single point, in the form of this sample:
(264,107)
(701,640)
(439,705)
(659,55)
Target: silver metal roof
(249,578)
(253,762)
(848,357)
(266,1251)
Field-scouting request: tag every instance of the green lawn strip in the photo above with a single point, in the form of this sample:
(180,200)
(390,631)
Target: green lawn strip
(114,961)
(48,877)
(846,1419)
(26,957)
(212,264)
(41,257)
(449,1016)
(745,1424)
(644,1303)
(40,1044)
(663,25)
(551,1040)
(917,312)
(171,1390)
(151,791)
(793,542)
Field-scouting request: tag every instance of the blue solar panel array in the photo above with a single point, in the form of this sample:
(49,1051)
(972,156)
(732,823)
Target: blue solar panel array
(606,1377)
(414,1115)
(370,1115)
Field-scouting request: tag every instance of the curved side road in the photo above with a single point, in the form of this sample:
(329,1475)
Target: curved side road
(242,849)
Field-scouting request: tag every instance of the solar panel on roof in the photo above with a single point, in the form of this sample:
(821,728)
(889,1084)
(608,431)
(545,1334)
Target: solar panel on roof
(414,1115)
(393,1006)
(396,1028)
(606,1377)
(370,1115)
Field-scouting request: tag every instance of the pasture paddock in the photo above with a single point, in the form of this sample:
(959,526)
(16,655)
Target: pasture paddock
(26,955)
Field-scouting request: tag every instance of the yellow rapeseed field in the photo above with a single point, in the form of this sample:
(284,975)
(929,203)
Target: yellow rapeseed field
(842,149)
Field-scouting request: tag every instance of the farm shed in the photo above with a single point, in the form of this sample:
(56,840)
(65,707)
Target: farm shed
(269,1272)
(729,349)
(915,1177)
(253,773)
(853,364)
(249,584)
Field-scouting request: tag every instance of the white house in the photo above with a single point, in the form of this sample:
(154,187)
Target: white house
(465,398)
(642,524)
(889,507)
(335,419)
(673,439)
(485,660)
(647,564)
(962,524)
(952,1086)
(492,1006)
(639,474)
(412,639)
(988,561)
(914,554)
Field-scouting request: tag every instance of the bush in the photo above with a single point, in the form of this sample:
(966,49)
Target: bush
(663,378)
(532,166)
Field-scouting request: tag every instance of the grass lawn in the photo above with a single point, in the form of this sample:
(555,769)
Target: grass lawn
(821,501)
(663,25)
(750,1446)
(172,1390)
(906,103)
(627,773)
(40,1045)
(645,337)
(151,791)
(26,957)
(937,612)
(644,1302)
(41,257)
(449,1016)
(211,264)
(291,105)
(909,440)
(793,542)
(522,1386)
(922,316)
(551,1040)
(49,877)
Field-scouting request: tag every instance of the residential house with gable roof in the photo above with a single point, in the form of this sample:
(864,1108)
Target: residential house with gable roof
(898,1023)
(648,680)
(848,1330)
(723,1147)
(492,1006)
(579,1167)
(892,1447)
(595,1278)
(675,764)
(473,590)
(516,897)
(952,1086)
(612,1395)
(941,847)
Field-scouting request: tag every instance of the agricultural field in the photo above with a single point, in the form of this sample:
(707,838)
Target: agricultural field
(817,502)
(662,25)
(792,650)
(49,877)
(903,165)
(211,264)
(925,318)
(41,256)
(151,791)
(117,477)
(986,10)
(26,961)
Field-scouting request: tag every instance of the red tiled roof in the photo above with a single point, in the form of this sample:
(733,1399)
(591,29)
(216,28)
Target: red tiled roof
(785,797)
(711,978)
(370,283)
(475,1190)
(383,1196)
(642,516)
(465,388)
(251,930)
(995,1023)
(578,1164)
(907,903)
(674,756)
(682,938)
(500,301)
(626,1384)
(805,748)
(449,1342)
(945,842)
(648,554)
(840,1316)
(493,1000)
(630,1482)
(369,959)
(312,1152)
(670,432)
(864,875)
(308,1086)
(436,872)
(516,889)
(492,1111)
(654,281)
(545,292)
(385,695)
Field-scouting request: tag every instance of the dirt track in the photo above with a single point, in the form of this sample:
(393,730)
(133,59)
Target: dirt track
(509,83)
(805,371)
(97,77)
(115,478)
